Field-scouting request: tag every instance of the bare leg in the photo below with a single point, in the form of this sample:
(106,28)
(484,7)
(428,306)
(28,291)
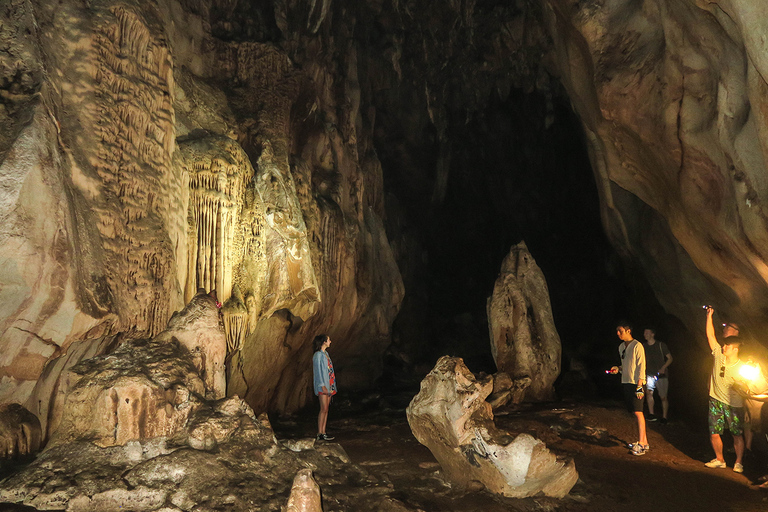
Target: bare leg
(642,438)
(322,417)
(717,445)
(738,445)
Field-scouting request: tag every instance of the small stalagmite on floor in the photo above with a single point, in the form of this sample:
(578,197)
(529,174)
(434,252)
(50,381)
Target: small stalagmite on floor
(305,494)
(450,416)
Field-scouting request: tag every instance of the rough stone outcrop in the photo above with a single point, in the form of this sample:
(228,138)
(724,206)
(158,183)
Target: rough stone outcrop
(197,328)
(144,389)
(20,432)
(305,494)
(249,470)
(524,341)
(673,96)
(451,417)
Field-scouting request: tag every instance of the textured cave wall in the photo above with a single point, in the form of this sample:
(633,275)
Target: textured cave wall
(154,149)
(673,99)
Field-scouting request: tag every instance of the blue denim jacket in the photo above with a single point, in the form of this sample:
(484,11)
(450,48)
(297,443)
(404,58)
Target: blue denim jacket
(321,372)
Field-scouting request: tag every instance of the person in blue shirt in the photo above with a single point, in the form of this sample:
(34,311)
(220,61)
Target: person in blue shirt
(324,381)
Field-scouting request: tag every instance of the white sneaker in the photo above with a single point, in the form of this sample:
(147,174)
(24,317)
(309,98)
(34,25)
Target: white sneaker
(738,467)
(714,463)
(640,449)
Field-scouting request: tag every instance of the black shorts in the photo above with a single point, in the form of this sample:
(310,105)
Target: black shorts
(634,404)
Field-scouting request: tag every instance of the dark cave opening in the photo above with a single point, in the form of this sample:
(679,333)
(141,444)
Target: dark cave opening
(517,171)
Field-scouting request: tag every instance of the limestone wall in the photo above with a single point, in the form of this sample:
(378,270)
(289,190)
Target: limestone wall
(147,158)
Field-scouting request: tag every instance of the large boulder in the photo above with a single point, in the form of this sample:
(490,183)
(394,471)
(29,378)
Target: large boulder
(143,389)
(524,340)
(450,416)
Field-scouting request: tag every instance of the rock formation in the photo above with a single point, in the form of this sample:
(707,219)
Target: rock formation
(524,340)
(150,152)
(451,417)
(137,433)
(20,432)
(197,328)
(305,494)
(673,99)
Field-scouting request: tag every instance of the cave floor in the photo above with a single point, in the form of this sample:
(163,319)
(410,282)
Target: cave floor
(375,434)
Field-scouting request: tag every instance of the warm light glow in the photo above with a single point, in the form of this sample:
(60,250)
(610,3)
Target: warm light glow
(749,372)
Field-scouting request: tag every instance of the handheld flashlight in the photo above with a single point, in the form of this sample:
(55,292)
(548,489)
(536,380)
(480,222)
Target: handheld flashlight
(749,372)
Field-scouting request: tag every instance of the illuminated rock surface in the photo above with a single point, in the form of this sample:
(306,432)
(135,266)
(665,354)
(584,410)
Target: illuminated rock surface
(524,340)
(20,433)
(137,433)
(674,103)
(451,417)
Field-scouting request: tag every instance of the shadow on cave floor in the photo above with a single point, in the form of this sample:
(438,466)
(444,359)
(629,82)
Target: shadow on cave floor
(374,432)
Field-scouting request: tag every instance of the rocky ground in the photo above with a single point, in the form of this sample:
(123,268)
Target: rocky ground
(375,434)
(373,431)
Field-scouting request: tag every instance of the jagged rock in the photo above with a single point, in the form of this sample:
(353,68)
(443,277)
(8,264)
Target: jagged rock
(249,470)
(144,389)
(524,340)
(197,328)
(451,417)
(305,494)
(506,389)
(47,398)
(20,432)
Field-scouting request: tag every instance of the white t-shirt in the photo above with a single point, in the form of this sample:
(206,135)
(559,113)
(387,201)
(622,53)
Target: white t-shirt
(632,362)
(721,388)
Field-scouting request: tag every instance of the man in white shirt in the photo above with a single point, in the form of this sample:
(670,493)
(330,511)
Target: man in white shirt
(726,404)
(633,382)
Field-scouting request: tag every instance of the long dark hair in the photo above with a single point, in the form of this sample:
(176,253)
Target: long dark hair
(317,343)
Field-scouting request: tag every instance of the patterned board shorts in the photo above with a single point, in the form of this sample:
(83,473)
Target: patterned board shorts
(722,415)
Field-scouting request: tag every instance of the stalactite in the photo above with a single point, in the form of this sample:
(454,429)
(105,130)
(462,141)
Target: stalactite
(235,316)
(219,172)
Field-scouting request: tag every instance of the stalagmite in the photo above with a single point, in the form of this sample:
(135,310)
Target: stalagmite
(305,494)
(524,340)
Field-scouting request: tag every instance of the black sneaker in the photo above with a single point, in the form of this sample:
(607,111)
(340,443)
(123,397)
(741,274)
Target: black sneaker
(651,417)
(325,437)
(663,421)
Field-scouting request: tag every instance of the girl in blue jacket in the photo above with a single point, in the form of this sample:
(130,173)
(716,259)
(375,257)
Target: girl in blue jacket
(324,381)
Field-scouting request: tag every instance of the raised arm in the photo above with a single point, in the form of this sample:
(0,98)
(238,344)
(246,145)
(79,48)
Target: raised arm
(713,344)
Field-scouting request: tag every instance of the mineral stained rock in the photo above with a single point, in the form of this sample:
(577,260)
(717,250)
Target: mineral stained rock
(674,102)
(197,328)
(305,494)
(148,150)
(20,432)
(524,340)
(450,416)
(137,433)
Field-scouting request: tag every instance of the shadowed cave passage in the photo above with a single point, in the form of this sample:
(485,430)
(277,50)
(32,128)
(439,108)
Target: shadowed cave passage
(517,170)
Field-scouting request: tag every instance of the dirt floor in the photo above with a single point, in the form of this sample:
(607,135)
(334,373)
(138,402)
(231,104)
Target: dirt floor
(671,477)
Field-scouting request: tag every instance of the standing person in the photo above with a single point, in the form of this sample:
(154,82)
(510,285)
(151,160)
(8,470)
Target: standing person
(657,360)
(633,382)
(324,381)
(726,405)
